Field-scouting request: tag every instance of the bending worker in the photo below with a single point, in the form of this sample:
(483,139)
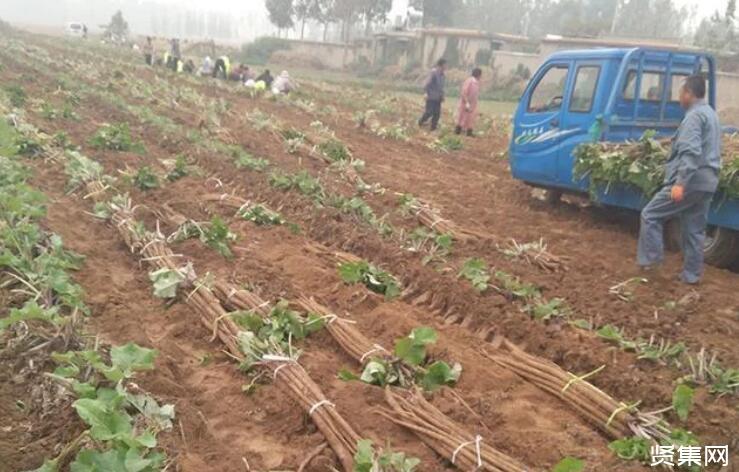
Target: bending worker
(691,179)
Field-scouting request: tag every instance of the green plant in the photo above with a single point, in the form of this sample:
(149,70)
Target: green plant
(116,137)
(218,236)
(80,170)
(16,95)
(179,170)
(569,464)
(373,278)
(446,143)
(28,146)
(274,333)
(165,282)
(293,140)
(145,179)
(544,310)
(639,164)
(367,459)
(122,425)
(243,159)
(476,271)
(514,287)
(633,448)
(261,215)
(335,150)
(409,365)
(48,112)
(682,401)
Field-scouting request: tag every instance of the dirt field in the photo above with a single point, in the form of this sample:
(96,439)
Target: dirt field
(223,423)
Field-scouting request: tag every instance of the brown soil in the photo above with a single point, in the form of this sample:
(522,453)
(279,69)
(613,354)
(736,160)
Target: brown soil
(218,425)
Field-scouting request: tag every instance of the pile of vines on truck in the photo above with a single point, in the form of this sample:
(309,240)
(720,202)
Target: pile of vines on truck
(641,164)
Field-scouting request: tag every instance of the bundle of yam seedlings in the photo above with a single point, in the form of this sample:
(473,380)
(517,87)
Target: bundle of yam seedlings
(430,217)
(345,333)
(641,164)
(534,253)
(465,450)
(614,418)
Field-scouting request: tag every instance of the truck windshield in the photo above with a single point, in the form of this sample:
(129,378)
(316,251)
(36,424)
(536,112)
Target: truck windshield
(549,90)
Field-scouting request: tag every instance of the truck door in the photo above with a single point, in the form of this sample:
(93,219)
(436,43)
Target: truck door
(537,125)
(582,106)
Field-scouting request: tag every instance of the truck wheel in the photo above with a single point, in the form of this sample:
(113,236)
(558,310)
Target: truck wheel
(552,196)
(721,248)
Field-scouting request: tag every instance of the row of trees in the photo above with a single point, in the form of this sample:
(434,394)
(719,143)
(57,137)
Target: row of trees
(287,14)
(643,18)
(720,32)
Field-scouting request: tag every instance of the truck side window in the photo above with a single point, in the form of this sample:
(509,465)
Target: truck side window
(583,94)
(677,81)
(651,86)
(549,91)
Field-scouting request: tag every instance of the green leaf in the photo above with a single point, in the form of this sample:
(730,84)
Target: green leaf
(131,357)
(682,401)
(166,282)
(364,457)
(89,460)
(375,373)
(424,336)
(439,374)
(569,464)
(106,422)
(347,376)
(633,448)
(352,273)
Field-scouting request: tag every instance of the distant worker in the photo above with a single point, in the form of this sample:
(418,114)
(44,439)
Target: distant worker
(468,100)
(434,89)
(266,77)
(283,84)
(691,179)
(240,73)
(222,68)
(84,31)
(189,66)
(148,51)
(207,68)
(174,54)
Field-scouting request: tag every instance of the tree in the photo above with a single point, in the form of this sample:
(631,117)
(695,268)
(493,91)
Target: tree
(281,13)
(374,11)
(438,12)
(719,33)
(117,28)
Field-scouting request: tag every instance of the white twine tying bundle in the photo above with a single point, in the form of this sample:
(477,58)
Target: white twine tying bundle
(318,405)
(375,348)
(476,442)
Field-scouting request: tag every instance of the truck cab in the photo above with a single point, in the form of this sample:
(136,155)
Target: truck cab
(612,95)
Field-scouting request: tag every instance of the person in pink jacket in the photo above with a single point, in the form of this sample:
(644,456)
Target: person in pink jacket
(468,99)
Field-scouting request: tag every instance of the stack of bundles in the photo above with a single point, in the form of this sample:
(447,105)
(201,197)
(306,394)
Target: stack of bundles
(466,451)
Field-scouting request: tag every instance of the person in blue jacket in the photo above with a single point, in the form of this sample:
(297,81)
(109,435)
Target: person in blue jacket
(434,89)
(691,179)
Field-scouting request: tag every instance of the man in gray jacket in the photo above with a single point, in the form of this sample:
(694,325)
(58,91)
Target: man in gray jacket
(434,89)
(691,179)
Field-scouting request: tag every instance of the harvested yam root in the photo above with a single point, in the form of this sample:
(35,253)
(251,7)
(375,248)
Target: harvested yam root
(615,419)
(431,218)
(465,450)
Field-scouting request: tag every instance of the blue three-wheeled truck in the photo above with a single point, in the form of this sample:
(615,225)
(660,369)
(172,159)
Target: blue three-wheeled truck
(626,92)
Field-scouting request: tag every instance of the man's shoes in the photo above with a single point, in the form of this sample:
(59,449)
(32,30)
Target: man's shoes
(458,130)
(689,280)
(470,133)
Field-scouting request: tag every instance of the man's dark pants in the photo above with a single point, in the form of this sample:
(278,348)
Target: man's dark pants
(692,212)
(433,111)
